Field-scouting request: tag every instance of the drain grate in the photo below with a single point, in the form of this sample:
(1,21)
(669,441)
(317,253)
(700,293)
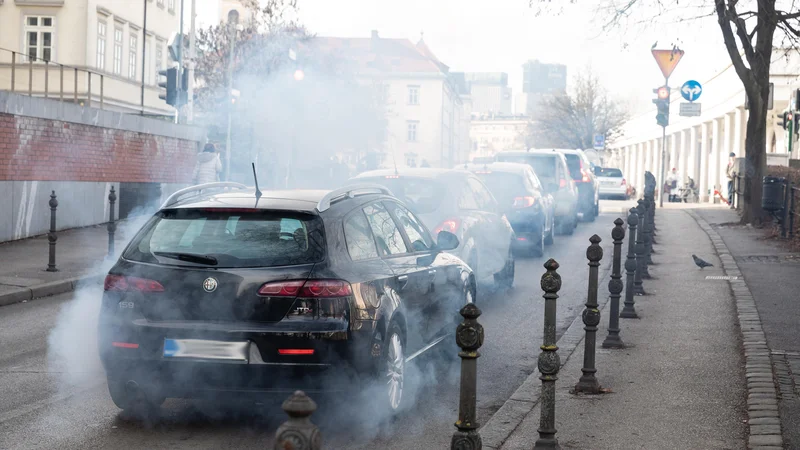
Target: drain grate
(769,259)
(721,277)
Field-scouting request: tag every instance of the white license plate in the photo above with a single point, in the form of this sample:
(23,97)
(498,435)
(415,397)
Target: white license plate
(203,349)
(610,183)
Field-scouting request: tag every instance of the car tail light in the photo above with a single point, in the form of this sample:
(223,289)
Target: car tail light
(119,283)
(310,288)
(450,225)
(562,183)
(585,176)
(524,202)
(124,345)
(392,177)
(295,351)
(623,182)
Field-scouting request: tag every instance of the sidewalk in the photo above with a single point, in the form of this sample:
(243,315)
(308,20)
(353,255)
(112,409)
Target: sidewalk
(772,273)
(681,382)
(80,256)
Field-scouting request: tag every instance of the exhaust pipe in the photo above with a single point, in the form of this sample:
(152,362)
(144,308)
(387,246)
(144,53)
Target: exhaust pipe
(133,389)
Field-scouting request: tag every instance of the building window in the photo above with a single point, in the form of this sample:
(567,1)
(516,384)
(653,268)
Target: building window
(117,51)
(159,57)
(170,5)
(160,3)
(101,45)
(132,57)
(413,95)
(412,131)
(148,65)
(39,37)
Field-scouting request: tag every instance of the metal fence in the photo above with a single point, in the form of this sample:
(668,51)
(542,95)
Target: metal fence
(793,192)
(34,76)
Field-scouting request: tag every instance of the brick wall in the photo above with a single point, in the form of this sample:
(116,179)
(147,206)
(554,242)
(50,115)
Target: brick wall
(33,148)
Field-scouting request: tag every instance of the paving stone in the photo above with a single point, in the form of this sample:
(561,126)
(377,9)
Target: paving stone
(764,429)
(757,414)
(766,439)
(764,421)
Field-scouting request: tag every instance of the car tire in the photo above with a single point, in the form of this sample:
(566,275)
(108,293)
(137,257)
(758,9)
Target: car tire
(548,239)
(140,404)
(537,249)
(568,228)
(505,278)
(392,372)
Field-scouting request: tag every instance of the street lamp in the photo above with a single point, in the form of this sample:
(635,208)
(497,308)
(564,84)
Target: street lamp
(233,19)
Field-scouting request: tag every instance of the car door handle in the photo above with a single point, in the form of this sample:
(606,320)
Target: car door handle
(403,280)
(432,271)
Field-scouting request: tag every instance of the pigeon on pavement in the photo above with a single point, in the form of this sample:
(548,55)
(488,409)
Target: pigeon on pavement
(700,263)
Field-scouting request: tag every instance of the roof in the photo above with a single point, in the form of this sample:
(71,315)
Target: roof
(296,200)
(377,54)
(533,151)
(416,172)
(510,167)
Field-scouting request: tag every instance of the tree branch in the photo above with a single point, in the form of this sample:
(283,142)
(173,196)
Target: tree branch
(745,74)
(741,30)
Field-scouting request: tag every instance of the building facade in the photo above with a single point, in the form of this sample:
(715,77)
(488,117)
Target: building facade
(490,93)
(102,45)
(698,147)
(427,108)
(538,80)
(492,134)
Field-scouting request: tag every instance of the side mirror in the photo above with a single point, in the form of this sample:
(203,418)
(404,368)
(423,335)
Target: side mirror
(446,240)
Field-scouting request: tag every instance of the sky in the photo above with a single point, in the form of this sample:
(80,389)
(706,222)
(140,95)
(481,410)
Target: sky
(500,35)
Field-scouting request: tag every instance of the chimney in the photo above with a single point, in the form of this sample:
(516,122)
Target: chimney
(375,34)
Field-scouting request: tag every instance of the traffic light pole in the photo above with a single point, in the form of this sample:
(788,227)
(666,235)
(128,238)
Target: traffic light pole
(663,164)
(144,48)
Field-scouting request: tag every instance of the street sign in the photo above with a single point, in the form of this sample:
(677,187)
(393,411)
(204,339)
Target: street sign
(667,60)
(599,142)
(690,109)
(691,90)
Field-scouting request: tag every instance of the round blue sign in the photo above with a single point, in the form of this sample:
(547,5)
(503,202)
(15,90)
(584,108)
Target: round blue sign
(691,90)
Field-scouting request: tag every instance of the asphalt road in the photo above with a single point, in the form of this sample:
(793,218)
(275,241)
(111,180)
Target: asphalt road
(53,392)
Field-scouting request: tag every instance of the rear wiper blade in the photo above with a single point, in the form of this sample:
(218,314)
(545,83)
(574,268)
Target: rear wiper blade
(189,257)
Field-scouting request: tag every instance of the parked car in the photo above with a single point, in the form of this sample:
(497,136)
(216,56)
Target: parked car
(550,167)
(243,293)
(523,200)
(456,201)
(612,183)
(588,188)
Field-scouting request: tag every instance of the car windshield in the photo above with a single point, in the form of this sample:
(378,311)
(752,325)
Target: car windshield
(608,172)
(421,195)
(543,165)
(229,238)
(504,185)
(574,165)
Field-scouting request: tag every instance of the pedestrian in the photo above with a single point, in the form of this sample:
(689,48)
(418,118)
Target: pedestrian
(672,181)
(208,166)
(731,175)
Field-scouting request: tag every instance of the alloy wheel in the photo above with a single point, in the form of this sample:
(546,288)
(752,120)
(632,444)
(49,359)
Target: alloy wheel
(395,361)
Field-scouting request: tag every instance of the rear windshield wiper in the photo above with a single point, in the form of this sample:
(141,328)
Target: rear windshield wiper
(189,257)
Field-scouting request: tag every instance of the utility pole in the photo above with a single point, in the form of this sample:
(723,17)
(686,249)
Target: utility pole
(233,19)
(666,60)
(180,70)
(144,43)
(192,56)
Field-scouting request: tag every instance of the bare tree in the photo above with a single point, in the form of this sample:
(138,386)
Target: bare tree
(572,120)
(749,32)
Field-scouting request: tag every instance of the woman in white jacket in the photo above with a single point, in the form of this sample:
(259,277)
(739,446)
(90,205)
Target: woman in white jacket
(208,166)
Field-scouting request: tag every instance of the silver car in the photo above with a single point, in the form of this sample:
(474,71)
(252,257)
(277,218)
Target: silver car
(612,183)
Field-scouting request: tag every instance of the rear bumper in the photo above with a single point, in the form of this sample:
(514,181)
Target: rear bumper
(586,196)
(527,226)
(613,191)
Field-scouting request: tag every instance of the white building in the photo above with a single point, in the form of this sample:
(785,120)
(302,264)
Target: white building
(427,112)
(492,134)
(699,146)
(102,39)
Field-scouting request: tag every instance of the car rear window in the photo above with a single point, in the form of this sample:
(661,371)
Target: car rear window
(421,195)
(608,172)
(233,238)
(543,165)
(574,165)
(504,185)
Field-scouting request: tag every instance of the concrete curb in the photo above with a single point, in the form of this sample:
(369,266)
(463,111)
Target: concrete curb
(506,419)
(47,289)
(762,400)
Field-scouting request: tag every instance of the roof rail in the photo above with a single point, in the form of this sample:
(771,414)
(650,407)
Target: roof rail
(200,187)
(350,192)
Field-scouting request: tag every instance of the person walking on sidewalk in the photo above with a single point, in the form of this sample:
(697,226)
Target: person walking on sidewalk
(208,166)
(672,181)
(731,174)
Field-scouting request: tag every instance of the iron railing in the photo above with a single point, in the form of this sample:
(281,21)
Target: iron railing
(34,76)
(792,192)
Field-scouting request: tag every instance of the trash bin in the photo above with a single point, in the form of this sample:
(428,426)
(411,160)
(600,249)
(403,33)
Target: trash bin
(772,194)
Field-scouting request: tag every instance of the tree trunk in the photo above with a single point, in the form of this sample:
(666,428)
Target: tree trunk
(755,148)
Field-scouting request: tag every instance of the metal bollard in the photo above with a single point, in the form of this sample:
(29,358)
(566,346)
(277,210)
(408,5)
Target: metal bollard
(549,362)
(469,337)
(615,287)
(629,310)
(112,226)
(298,433)
(652,222)
(638,288)
(51,236)
(588,383)
(647,229)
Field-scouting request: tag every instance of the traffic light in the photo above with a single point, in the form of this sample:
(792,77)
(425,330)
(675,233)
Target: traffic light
(784,119)
(662,104)
(170,84)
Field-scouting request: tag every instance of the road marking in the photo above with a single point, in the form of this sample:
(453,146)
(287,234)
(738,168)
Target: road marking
(721,277)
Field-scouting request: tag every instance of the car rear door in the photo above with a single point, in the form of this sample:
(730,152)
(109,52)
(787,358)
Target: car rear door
(496,239)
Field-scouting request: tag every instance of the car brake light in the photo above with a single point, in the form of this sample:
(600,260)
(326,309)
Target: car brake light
(392,176)
(585,176)
(623,182)
(562,183)
(524,202)
(295,351)
(310,288)
(119,283)
(450,225)
(124,345)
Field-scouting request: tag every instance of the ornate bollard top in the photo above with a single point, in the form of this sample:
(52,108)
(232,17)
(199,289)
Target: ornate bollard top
(618,233)
(551,280)
(53,202)
(469,333)
(112,195)
(633,217)
(594,253)
(640,208)
(299,405)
